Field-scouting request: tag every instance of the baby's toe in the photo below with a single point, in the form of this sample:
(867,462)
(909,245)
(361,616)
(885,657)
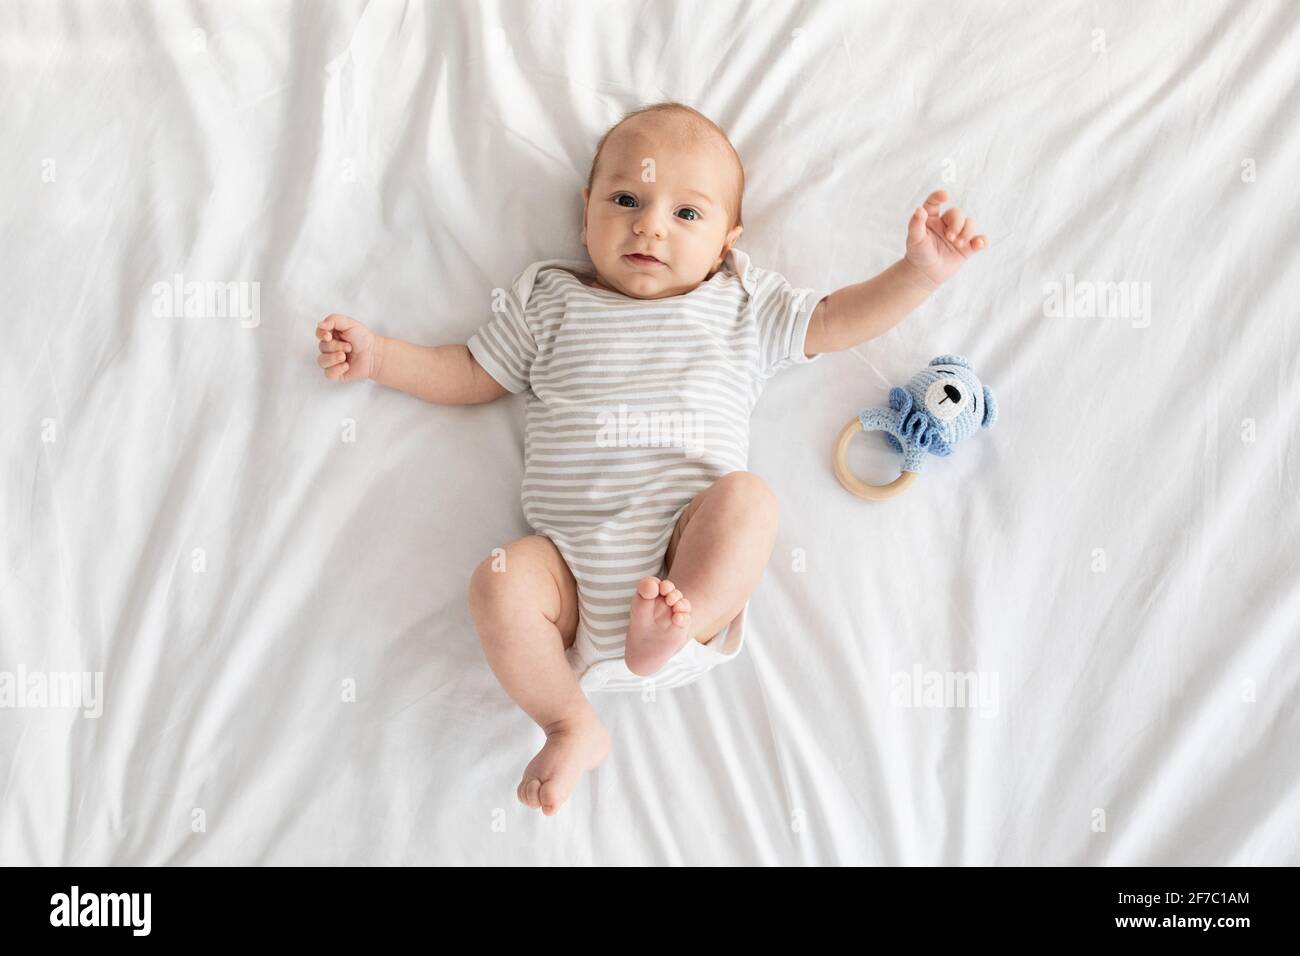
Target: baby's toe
(680,619)
(532,786)
(666,587)
(675,597)
(549,798)
(648,587)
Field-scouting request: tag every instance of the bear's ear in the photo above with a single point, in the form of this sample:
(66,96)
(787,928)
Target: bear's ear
(990,408)
(950,360)
(900,400)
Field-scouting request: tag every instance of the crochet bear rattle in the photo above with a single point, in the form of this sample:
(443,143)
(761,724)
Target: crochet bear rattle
(942,404)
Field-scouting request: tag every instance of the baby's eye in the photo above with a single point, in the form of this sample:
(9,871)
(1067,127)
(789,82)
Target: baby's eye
(621,196)
(694,214)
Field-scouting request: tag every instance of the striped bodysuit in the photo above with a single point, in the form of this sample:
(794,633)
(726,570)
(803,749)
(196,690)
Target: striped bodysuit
(635,406)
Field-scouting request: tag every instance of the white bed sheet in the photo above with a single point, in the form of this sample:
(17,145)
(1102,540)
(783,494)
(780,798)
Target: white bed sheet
(397,162)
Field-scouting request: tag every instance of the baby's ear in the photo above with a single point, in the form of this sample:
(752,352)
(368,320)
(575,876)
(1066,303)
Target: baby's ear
(950,360)
(990,408)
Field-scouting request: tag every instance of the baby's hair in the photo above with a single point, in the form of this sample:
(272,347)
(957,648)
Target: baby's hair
(697,124)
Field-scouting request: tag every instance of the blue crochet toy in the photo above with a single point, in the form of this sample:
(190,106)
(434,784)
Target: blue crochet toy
(942,404)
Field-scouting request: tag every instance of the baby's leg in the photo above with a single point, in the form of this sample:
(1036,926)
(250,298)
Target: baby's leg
(714,560)
(525,606)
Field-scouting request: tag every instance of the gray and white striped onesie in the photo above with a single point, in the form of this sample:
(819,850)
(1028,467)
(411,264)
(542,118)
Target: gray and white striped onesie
(635,406)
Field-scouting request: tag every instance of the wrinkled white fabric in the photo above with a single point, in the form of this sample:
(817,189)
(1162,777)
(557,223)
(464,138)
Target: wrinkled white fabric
(269,570)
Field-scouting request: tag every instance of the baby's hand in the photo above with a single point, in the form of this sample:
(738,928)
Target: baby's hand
(347,348)
(939,245)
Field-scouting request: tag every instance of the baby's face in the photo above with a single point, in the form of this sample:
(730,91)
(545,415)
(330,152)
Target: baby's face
(681,217)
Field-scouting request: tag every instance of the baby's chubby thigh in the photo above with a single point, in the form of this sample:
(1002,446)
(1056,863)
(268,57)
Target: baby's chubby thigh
(719,546)
(526,577)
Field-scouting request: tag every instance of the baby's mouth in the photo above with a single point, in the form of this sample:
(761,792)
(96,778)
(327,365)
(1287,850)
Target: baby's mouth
(638,259)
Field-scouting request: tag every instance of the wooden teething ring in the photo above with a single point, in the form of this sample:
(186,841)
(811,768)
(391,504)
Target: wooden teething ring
(855,484)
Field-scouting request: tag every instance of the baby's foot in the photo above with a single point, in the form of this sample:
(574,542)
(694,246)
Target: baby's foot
(660,624)
(571,748)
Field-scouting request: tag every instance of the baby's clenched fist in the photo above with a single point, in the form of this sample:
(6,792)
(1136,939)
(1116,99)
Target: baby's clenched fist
(347,348)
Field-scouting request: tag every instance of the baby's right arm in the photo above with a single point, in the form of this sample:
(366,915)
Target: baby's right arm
(445,374)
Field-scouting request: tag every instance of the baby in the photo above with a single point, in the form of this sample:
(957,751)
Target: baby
(642,367)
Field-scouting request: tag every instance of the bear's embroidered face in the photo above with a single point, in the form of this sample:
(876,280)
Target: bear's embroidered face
(955,399)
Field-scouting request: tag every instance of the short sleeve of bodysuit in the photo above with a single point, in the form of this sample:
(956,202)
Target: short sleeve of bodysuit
(782,312)
(505,345)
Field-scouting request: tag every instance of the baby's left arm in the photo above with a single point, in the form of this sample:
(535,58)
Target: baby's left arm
(937,246)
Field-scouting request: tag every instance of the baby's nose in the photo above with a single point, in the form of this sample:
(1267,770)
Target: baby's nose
(651,222)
